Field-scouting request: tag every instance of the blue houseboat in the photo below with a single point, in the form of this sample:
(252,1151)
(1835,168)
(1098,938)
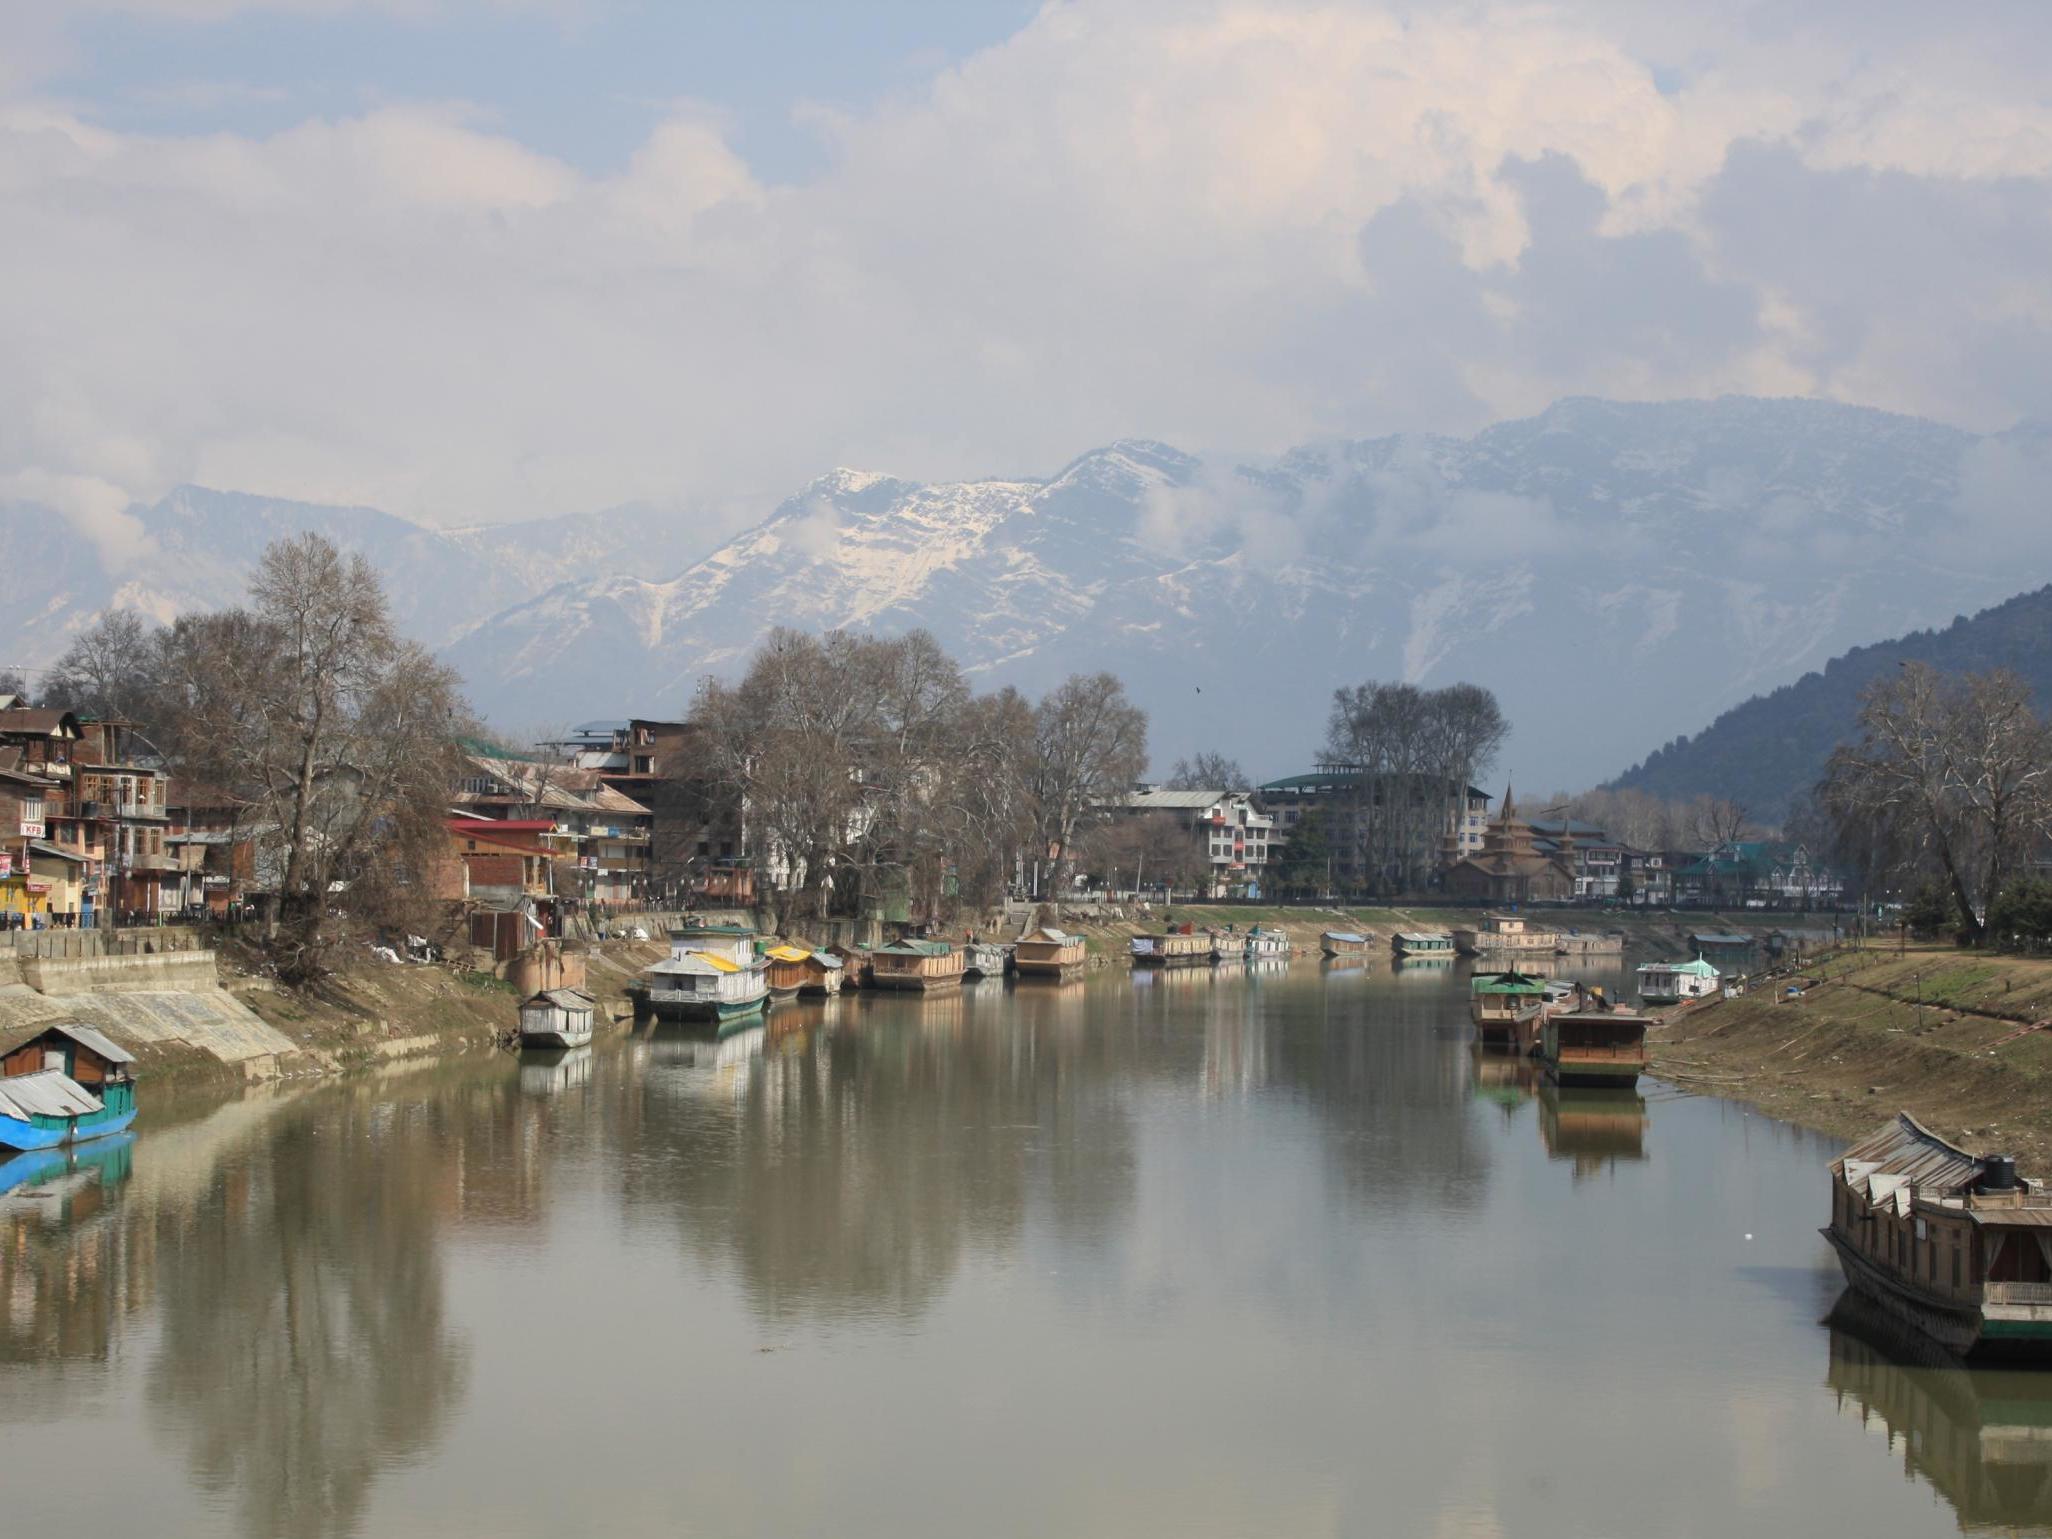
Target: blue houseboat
(64,1086)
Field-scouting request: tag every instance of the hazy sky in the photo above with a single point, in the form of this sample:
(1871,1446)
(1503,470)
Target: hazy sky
(467,259)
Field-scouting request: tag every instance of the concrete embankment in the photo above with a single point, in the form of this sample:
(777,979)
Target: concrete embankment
(1963,1042)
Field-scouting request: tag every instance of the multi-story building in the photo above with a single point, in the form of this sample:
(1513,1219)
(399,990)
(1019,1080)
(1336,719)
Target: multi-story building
(1375,825)
(105,812)
(598,837)
(699,845)
(38,880)
(1232,836)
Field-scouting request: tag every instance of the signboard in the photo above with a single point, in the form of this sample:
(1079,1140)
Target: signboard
(32,828)
(6,863)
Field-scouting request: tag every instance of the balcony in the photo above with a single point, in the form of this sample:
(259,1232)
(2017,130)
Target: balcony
(121,812)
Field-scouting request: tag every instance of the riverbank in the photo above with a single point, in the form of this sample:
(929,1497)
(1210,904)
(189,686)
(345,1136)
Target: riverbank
(1961,1041)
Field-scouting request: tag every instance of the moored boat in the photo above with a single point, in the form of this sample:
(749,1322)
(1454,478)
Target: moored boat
(854,965)
(984,959)
(1594,1046)
(1049,953)
(1267,945)
(791,970)
(65,1085)
(1343,943)
(1951,1243)
(557,1018)
(700,986)
(1174,949)
(1503,932)
(1507,1009)
(1422,943)
(917,965)
(1672,983)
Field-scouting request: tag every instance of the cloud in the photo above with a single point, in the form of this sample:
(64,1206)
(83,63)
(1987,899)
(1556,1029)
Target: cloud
(98,510)
(1248,222)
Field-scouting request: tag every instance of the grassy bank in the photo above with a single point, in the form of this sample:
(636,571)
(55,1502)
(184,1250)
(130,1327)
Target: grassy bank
(1970,1061)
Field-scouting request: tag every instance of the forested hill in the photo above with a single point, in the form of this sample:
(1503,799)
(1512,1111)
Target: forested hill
(1769,750)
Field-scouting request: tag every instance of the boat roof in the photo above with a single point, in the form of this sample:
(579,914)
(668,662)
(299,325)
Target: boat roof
(1903,1153)
(1343,935)
(564,999)
(788,953)
(697,964)
(46,1093)
(1696,969)
(1507,983)
(1424,935)
(1049,934)
(88,1038)
(913,948)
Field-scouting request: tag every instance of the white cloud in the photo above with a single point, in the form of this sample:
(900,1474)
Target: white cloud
(1248,222)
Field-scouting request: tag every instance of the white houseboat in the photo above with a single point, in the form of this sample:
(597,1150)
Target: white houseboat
(1673,983)
(557,1018)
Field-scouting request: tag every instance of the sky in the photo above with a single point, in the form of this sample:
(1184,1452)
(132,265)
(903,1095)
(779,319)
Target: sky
(470,260)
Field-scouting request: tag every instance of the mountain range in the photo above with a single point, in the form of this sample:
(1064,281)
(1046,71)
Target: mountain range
(1618,573)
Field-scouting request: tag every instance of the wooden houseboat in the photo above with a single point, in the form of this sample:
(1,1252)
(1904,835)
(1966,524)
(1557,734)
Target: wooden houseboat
(1950,1243)
(917,965)
(1496,933)
(701,986)
(65,1085)
(854,965)
(1177,949)
(1423,943)
(1673,983)
(1588,943)
(735,942)
(1594,1047)
(794,970)
(557,1018)
(984,959)
(1343,943)
(1266,945)
(1048,953)
(1507,1009)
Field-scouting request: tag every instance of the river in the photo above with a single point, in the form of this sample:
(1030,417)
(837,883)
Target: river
(1178,1255)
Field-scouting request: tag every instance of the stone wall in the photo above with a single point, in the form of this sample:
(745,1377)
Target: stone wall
(63,976)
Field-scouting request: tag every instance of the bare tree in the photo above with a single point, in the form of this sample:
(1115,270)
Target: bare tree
(1956,772)
(333,729)
(1208,772)
(1090,743)
(108,670)
(14,683)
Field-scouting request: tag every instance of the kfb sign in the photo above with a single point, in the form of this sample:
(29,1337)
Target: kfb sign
(32,828)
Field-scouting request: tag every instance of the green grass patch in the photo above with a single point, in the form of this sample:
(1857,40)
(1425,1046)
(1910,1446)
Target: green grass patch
(484,983)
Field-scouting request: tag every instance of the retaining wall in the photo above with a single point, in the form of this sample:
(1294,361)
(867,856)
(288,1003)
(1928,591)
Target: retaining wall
(66,976)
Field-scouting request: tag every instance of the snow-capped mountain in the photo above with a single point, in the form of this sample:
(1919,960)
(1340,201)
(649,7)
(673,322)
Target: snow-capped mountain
(1617,573)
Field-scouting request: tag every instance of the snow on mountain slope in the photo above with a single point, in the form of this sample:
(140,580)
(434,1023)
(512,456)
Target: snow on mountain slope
(1616,572)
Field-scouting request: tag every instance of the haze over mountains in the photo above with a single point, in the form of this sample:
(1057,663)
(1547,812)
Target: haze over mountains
(1620,574)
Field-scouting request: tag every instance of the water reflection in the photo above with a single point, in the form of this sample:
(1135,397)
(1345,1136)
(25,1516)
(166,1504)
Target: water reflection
(1982,1439)
(70,1271)
(1592,1128)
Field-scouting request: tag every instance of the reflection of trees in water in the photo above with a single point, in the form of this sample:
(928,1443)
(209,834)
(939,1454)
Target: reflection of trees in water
(74,1268)
(303,1344)
(853,1163)
(1981,1438)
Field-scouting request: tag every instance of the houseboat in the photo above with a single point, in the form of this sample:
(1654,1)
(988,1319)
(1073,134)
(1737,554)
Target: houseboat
(67,1084)
(854,965)
(557,1018)
(794,970)
(1048,953)
(1947,1242)
(701,986)
(1588,943)
(917,965)
(1266,945)
(984,959)
(1343,943)
(735,942)
(1504,933)
(1594,1046)
(1507,1009)
(1423,943)
(1177,949)
(1673,983)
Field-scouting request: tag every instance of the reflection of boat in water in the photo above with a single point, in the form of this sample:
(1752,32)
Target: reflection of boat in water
(1421,969)
(1594,1128)
(1981,1438)
(1958,1246)
(552,1070)
(1507,1081)
(107,1160)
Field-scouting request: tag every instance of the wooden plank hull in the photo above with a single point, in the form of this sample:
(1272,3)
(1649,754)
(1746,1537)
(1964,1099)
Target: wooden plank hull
(914,983)
(556,1037)
(1956,1327)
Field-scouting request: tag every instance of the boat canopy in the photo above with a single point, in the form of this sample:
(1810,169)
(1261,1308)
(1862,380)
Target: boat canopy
(697,964)
(914,949)
(1427,937)
(1051,935)
(45,1093)
(1507,983)
(788,954)
(1343,935)
(563,999)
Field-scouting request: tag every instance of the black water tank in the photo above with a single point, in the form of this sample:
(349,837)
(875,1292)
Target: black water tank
(1998,1173)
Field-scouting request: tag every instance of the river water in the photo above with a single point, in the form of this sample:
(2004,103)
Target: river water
(1183,1255)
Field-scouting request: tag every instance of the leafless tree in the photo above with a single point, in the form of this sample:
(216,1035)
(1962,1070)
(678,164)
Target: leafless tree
(1089,744)
(1956,772)
(107,671)
(1208,772)
(335,731)
(13,683)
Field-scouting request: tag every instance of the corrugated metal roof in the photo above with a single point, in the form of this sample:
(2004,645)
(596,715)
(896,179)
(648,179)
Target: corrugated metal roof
(697,964)
(85,1036)
(1343,935)
(1902,1154)
(46,1093)
(1178,800)
(1051,935)
(787,953)
(566,999)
